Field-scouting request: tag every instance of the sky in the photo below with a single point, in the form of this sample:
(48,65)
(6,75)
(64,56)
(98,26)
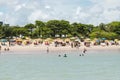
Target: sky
(21,12)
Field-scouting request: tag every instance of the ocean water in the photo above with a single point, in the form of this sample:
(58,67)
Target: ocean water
(94,65)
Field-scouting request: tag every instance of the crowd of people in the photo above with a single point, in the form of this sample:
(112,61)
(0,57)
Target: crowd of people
(55,43)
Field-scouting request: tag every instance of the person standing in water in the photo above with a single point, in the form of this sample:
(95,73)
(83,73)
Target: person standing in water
(65,55)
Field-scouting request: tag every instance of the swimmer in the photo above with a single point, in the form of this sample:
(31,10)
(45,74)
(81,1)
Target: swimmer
(82,54)
(65,55)
(59,55)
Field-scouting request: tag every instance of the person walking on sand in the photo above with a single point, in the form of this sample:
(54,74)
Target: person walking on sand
(47,49)
(84,50)
(8,49)
(0,49)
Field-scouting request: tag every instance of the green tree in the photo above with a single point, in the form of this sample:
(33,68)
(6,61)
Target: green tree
(30,28)
(64,28)
(54,25)
(82,30)
(6,31)
(39,25)
(102,26)
(114,27)
(1,24)
(103,34)
(19,31)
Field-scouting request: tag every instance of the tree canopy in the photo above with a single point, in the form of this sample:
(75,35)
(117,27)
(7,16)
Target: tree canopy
(62,28)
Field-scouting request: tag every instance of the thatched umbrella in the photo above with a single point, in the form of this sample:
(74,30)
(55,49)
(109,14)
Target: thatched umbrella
(72,38)
(59,40)
(49,39)
(77,40)
(67,40)
(19,41)
(87,40)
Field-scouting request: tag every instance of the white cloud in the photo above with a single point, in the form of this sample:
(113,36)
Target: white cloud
(1,13)
(100,12)
(38,14)
(78,10)
(18,7)
(47,7)
(8,2)
(13,11)
(1,16)
(10,20)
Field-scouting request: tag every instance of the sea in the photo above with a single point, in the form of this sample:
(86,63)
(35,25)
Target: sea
(92,65)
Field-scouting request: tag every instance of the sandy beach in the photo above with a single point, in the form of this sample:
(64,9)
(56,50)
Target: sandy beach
(52,48)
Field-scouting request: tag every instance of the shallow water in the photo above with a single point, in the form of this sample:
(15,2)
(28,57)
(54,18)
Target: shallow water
(95,65)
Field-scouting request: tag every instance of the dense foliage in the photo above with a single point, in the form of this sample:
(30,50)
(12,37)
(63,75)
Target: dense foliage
(61,28)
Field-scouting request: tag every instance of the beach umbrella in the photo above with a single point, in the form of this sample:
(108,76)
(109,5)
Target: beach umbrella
(103,38)
(67,39)
(27,38)
(72,38)
(102,44)
(106,41)
(3,40)
(12,40)
(95,39)
(19,40)
(49,39)
(116,40)
(87,40)
(77,40)
(59,40)
(39,39)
